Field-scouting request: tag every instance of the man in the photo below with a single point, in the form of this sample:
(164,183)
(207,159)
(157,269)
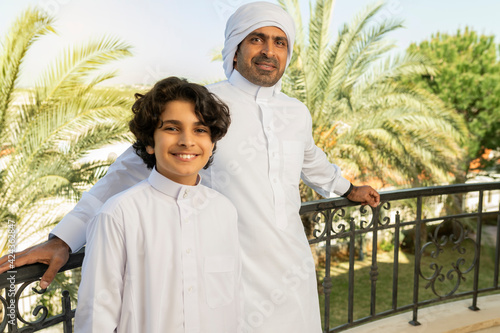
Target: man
(259,163)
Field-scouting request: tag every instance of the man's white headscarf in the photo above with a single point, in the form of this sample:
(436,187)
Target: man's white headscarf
(250,17)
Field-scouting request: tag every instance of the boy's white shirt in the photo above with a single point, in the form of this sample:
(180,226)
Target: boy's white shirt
(162,257)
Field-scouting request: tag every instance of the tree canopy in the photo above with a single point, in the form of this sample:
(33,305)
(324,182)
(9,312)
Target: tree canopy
(468,80)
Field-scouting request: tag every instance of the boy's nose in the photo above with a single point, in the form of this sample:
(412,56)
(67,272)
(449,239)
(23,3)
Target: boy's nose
(186,139)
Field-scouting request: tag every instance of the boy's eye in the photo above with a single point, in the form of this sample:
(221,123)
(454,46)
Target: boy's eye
(169,128)
(202,130)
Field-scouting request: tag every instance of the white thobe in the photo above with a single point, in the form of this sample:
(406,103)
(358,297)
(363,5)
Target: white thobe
(257,165)
(161,257)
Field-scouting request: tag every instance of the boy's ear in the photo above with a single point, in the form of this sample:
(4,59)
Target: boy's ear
(150,150)
(213,146)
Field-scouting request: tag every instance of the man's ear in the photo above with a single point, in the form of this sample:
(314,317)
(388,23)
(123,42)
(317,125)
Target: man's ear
(235,57)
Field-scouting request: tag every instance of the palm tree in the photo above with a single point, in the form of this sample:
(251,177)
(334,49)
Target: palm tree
(46,131)
(373,125)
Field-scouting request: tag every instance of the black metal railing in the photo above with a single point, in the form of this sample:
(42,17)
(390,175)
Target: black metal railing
(15,282)
(338,227)
(339,223)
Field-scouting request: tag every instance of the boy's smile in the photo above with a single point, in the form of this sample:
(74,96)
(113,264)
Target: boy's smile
(183,143)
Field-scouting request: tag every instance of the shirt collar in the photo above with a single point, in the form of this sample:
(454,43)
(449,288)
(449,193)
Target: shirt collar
(237,80)
(169,187)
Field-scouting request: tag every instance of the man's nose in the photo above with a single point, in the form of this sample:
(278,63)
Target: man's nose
(268,48)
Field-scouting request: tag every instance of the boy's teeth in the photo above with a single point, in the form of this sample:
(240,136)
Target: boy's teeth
(186,156)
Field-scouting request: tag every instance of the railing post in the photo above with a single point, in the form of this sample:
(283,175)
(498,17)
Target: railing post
(497,253)
(416,277)
(361,247)
(327,281)
(395,271)
(479,231)
(67,312)
(374,267)
(352,250)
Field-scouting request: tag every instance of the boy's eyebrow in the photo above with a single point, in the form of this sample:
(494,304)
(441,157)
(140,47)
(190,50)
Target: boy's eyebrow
(177,122)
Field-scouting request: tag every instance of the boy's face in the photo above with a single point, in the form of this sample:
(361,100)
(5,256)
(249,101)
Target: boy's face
(182,145)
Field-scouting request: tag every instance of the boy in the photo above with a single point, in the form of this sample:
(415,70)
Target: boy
(169,218)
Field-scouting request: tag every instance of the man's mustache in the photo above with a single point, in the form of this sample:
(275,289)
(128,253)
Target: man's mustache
(272,61)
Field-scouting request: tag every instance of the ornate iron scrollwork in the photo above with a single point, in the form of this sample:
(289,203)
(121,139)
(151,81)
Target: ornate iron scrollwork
(326,217)
(325,220)
(5,319)
(457,271)
(36,311)
(386,220)
(39,311)
(362,223)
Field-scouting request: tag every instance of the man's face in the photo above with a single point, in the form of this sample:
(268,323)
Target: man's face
(261,56)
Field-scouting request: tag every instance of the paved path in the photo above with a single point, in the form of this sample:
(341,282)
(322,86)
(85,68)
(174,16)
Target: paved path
(452,317)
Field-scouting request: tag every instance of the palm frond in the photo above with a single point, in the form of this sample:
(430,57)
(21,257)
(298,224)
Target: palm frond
(27,29)
(379,125)
(74,68)
(61,120)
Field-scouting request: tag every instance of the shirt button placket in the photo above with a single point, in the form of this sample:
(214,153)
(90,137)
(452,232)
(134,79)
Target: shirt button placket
(190,274)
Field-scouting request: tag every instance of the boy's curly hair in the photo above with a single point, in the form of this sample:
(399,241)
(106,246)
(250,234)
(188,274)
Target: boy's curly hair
(147,109)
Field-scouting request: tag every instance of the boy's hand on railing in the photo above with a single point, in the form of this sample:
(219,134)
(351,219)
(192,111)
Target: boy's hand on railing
(54,252)
(366,195)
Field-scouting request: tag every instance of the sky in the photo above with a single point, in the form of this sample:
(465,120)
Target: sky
(178,37)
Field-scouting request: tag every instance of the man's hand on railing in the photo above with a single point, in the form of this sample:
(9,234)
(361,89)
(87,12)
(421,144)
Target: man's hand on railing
(54,252)
(366,195)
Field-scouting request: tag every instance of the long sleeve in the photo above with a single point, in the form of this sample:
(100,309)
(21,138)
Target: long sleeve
(100,293)
(318,173)
(126,171)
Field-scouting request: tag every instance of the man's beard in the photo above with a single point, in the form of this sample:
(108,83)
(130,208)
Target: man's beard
(259,76)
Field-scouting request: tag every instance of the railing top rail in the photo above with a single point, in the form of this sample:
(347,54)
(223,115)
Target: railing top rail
(333,203)
(29,272)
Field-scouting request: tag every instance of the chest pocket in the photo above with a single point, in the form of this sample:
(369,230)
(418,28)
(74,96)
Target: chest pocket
(219,280)
(293,158)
